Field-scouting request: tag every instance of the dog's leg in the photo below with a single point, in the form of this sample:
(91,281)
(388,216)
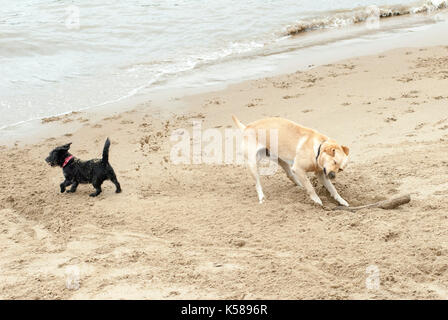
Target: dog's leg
(288,172)
(74,186)
(97,191)
(65,184)
(252,153)
(254,170)
(330,187)
(97,185)
(252,157)
(114,180)
(303,178)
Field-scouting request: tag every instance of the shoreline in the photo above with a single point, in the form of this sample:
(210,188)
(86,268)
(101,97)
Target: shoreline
(281,64)
(198,232)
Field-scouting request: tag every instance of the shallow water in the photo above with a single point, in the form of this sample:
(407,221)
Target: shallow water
(58,57)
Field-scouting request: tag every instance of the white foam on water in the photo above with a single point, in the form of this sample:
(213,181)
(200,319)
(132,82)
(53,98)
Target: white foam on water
(122,50)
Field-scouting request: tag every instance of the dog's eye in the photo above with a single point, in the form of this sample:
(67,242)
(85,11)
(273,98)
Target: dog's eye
(335,162)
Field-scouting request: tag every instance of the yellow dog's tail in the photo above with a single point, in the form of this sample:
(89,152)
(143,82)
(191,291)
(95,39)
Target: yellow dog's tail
(238,123)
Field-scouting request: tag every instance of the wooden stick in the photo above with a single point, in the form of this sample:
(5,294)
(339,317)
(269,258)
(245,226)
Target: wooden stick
(385,204)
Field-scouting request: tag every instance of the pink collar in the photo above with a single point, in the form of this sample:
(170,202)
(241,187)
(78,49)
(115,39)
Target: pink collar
(66,161)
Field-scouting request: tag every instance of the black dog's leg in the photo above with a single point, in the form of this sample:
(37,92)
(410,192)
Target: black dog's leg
(97,191)
(97,185)
(74,186)
(65,184)
(114,180)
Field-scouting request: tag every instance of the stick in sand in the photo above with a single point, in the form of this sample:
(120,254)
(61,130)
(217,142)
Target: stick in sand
(385,204)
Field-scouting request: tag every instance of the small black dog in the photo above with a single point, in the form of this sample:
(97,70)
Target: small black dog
(75,171)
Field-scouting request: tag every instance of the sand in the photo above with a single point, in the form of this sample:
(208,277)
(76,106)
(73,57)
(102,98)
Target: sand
(198,232)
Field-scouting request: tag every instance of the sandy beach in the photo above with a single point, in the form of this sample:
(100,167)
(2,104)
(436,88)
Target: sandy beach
(198,232)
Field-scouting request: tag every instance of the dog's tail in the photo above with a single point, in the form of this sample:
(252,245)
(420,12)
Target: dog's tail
(106,151)
(238,123)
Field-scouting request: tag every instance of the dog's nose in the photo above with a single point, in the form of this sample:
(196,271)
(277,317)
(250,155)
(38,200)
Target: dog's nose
(331,175)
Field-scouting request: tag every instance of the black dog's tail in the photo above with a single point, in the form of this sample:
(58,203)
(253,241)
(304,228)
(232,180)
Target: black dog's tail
(106,151)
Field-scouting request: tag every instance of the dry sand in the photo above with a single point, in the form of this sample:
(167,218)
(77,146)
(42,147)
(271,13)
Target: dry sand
(197,231)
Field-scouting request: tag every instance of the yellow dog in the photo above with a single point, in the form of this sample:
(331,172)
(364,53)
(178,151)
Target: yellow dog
(300,150)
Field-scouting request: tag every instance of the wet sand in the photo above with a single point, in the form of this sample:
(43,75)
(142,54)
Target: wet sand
(197,231)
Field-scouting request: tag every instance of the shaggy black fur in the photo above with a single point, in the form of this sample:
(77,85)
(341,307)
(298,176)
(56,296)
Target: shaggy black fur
(94,171)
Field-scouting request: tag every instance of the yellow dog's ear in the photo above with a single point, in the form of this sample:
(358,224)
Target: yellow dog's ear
(345,149)
(330,150)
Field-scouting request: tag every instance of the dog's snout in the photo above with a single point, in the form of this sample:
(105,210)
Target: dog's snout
(331,175)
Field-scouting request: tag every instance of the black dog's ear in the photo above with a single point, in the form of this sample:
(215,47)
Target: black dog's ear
(65,146)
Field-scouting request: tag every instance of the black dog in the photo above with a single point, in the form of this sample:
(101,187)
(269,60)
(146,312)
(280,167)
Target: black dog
(75,171)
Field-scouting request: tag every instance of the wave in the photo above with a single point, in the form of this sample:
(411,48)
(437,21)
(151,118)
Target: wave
(159,71)
(370,14)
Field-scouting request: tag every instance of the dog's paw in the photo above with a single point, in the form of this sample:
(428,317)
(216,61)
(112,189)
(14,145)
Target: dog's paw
(93,195)
(317,200)
(70,191)
(62,189)
(118,191)
(342,202)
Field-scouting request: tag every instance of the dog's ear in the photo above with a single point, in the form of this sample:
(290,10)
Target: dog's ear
(345,149)
(64,147)
(330,150)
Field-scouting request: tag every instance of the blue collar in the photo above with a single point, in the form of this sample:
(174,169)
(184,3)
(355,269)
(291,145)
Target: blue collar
(318,151)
